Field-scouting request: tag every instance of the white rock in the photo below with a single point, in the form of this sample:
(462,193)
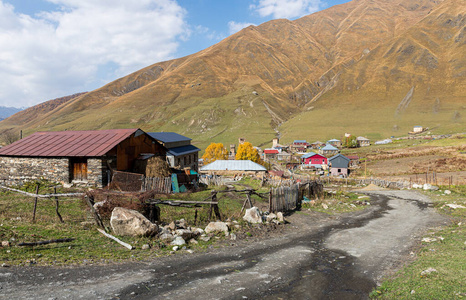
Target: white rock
(217,227)
(175,248)
(455,206)
(428,271)
(325,206)
(145,247)
(184,233)
(168,237)
(205,238)
(253,215)
(280,217)
(197,231)
(233,236)
(270,217)
(427,186)
(447,192)
(178,241)
(130,222)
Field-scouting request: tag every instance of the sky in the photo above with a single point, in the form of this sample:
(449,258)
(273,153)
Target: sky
(55,48)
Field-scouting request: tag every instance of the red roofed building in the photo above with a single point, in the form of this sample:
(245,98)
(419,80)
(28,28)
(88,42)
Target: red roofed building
(271,153)
(75,156)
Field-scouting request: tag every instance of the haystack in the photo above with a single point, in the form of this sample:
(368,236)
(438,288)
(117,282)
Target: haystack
(157,167)
(151,166)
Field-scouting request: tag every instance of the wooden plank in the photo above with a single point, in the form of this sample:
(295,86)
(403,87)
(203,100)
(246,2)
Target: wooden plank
(115,239)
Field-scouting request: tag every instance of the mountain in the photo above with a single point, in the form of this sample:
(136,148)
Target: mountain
(370,67)
(5,112)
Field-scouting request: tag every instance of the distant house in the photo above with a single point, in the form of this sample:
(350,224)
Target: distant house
(85,157)
(284,156)
(317,145)
(181,154)
(335,143)
(354,160)
(299,145)
(271,153)
(232,167)
(339,165)
(417,129)
(313,159)
(363,142)
(329,150)
(276,145)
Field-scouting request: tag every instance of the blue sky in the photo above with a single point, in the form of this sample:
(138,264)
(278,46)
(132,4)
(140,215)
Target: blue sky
(54,48)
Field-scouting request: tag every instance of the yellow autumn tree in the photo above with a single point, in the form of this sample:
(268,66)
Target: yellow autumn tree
(247,152)
(213,152)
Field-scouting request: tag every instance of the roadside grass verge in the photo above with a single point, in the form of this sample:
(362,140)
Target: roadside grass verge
(442,249)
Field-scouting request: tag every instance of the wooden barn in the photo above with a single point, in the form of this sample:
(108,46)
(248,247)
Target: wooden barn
(85,157)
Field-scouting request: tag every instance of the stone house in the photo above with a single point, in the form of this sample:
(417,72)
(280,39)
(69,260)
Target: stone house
(334,142)
(181,154)
(362,141)
(84,157)
(329,150)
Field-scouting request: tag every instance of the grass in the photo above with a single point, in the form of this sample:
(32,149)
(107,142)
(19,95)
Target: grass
(90,246)
(446,255)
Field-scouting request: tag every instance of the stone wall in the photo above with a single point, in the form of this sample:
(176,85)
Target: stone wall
(17,170)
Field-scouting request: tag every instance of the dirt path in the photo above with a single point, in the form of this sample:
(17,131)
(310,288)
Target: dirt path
(316,257)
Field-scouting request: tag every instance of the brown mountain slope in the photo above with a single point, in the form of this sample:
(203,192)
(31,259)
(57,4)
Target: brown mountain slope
(256,79)
(416,78)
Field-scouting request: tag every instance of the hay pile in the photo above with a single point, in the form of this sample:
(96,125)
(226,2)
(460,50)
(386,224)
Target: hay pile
(157,167)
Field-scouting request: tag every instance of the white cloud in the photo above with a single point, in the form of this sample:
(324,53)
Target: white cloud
(234,27)
(286,8)
(69,50)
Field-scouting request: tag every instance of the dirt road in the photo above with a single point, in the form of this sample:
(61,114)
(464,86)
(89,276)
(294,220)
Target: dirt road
(317,257)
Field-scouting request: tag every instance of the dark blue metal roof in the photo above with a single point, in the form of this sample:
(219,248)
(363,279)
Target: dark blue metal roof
(168,137)
(177,151)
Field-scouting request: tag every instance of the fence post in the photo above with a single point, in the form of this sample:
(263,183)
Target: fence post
(35,204)
(56,205)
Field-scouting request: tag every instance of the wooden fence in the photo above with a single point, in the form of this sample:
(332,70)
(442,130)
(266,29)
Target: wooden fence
(284,198)
(161,185)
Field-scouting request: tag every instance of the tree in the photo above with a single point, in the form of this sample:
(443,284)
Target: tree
(350,142)
(247,152)
(8,137)
(213,152)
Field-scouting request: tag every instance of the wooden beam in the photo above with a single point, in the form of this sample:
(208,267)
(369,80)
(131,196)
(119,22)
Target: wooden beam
(115,239)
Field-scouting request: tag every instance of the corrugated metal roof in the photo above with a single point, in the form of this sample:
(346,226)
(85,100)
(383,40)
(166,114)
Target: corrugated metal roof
(89,143)
(333,140)
(307,155)
(329,147)
(177,151)
(233,165)
(299,141)
(168,137)
(271,151)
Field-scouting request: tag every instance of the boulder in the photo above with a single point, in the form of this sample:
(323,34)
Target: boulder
(145,247)
(197,231)
(5,244)
(178,241)
(427,186)
(172,226)
(253,215)
(447,192)
(216,227)
(130,222)
(181,224)
(184,233)
(204,238)
(167,237)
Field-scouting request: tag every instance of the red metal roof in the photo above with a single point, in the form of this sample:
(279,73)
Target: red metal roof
(68,143)
(271,151)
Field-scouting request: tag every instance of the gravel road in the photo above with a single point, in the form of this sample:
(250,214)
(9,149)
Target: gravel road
(316,257)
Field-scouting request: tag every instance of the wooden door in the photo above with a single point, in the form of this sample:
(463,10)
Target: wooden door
(79,169)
